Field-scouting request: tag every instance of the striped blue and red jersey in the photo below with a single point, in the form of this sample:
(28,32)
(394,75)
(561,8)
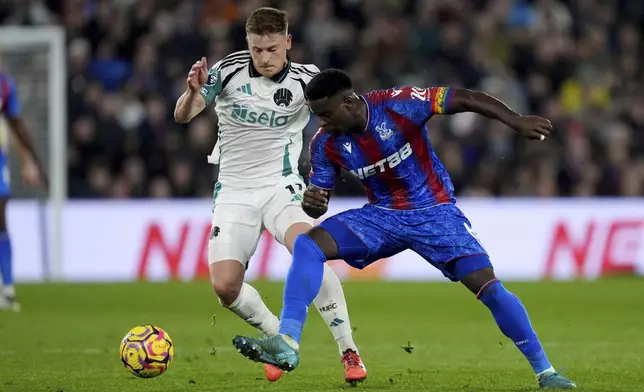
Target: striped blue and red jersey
(9,103)
(393,157)
(9,108)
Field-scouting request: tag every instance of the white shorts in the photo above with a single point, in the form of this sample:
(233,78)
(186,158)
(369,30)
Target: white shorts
(240,216)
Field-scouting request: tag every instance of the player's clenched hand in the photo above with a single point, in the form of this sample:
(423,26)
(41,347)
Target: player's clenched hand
(533,127)
(198,75)
(315,201)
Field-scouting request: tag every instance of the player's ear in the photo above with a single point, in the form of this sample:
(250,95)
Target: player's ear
(346,103)
(289,41)
(350,101)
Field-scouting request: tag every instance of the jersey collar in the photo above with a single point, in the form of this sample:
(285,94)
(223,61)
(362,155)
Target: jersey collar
(277,78)
(366,103)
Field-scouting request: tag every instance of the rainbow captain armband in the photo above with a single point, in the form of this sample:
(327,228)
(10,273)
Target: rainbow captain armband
(439,98)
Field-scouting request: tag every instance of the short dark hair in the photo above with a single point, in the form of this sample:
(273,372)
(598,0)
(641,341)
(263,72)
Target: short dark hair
(327,84)
(267,20)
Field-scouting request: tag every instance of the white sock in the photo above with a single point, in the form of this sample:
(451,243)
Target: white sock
(250,307)
(9,291)
(547,371)
(332,306)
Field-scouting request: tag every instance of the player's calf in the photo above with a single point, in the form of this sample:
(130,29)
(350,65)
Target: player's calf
(303,284)
(7,290)
(510,315)
(514,322)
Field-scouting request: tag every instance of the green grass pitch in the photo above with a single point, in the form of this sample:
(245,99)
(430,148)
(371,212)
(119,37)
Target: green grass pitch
(67,338)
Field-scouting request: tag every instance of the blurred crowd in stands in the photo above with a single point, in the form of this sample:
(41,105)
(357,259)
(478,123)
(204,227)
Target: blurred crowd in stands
(577,62)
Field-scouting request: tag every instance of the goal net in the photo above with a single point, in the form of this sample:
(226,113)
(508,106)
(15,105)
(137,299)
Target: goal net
(35,58)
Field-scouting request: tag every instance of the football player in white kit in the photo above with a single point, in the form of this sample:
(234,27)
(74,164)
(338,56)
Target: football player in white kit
(259,100)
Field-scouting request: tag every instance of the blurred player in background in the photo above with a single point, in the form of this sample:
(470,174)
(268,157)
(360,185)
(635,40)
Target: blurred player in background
(380,138)
(32,174)
(259,100)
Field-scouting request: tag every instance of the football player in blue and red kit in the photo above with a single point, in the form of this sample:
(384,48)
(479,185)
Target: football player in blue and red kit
(32,173)
(381,138)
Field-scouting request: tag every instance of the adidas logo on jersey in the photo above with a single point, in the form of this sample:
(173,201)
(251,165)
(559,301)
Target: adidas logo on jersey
(245,89)
(391,161)
(269,118)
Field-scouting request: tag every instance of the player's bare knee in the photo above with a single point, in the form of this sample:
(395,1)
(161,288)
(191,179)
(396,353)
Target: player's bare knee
(477,281)
(226,278)
(293,232)
(227,291)
(324,241)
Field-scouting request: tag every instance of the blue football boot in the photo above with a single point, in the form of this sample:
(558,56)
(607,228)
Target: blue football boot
(553,380)
(280,350)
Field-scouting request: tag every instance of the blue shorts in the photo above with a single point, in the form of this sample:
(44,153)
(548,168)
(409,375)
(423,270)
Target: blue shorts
(441,234)
(5,188)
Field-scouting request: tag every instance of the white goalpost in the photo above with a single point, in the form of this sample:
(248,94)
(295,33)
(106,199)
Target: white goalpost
(36,58)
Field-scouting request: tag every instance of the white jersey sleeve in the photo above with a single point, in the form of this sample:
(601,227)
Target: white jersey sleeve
(218,77)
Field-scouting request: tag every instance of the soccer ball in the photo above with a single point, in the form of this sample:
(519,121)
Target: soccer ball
(147,351)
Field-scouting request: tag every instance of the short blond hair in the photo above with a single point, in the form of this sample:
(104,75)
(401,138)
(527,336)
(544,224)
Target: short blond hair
(267,20)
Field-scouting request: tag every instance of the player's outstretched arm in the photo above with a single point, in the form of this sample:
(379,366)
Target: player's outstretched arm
(531,127)
(32,170)
(192,102)
(315,202)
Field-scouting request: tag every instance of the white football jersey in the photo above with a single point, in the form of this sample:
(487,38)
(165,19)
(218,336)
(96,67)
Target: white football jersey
(260,120)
